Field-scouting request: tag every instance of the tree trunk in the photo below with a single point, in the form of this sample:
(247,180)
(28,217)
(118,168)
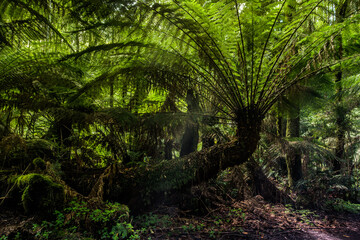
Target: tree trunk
(189,170)
(340,139)
(340,114)
(339,111)
(60,131)
(168,148)
(190,138)
(281,126)
(293,158)
(140,186)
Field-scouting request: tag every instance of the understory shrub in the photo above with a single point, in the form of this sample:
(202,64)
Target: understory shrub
(322,186)
(81,220)
(340,205)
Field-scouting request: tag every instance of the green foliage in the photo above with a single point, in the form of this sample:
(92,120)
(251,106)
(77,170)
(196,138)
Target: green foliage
(123,230)
(40,147)
(323,186)
(212,234)
(40,194)
(340,205)
(189,228)
(109,222)
(80,211)
(151,220)
(305,215)
(237,213)
(118,95)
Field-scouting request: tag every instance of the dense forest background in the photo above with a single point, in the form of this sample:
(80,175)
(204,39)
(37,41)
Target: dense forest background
(111,105)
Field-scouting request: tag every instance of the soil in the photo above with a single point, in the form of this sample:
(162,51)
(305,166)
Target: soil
(261,220)
(249,219)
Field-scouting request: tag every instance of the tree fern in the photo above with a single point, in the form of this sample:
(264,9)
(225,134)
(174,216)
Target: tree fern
(238,52)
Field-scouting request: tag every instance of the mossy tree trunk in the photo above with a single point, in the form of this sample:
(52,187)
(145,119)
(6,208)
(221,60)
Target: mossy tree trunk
(134,186)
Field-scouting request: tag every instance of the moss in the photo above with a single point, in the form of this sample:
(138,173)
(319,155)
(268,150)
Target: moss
(40,194)
(39,163)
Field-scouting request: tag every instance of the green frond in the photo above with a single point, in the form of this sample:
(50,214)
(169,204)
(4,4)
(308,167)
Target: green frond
(36,10)
(109,47)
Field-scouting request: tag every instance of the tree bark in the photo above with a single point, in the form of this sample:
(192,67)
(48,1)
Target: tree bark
(192,169)
(168,148)
(293,158)
(190,138)
(142,185)
(340,114)
(139,186)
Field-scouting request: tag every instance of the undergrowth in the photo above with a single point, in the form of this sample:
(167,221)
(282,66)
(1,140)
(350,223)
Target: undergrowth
(340,205)
(80,221)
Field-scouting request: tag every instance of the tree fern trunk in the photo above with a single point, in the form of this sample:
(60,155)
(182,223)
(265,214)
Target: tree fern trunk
(141,185)
(189,170)
(340,114)
(190,138)
(169,143)
(340,125)
(293,158)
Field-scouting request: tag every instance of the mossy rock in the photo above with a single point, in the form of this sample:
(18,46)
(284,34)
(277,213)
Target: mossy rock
(39,163)
(40,194)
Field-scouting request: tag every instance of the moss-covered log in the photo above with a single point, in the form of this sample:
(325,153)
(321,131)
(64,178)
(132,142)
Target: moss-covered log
(39,194)
(121,184)
(140,185)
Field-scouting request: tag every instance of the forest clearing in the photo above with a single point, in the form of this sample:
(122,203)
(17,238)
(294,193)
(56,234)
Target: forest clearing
(167,119)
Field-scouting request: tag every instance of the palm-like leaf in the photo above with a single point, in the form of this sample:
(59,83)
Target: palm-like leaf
(233,53)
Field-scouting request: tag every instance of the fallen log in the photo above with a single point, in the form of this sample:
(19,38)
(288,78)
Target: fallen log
(141,185)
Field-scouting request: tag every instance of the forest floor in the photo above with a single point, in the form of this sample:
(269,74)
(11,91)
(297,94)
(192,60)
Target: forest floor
(250,219)
(256,219)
